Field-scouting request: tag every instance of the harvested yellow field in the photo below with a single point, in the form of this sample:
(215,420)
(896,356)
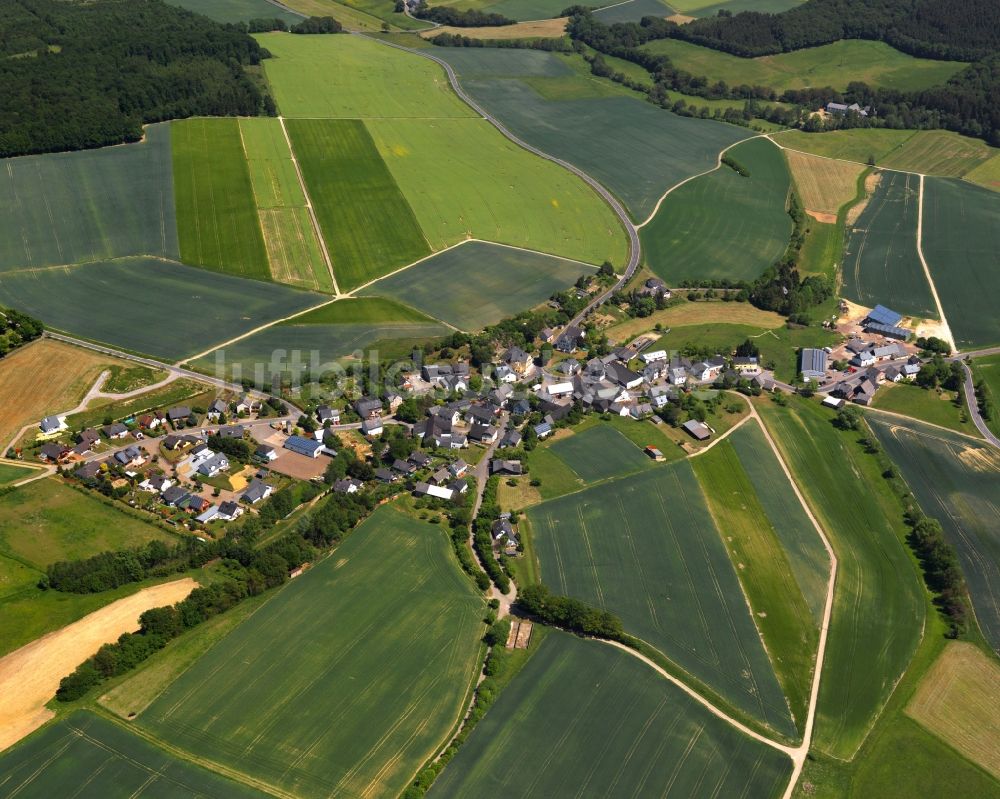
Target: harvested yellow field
(959,701)
(29,676)
(538,29)
(824,185)
(43,378)
(698,313)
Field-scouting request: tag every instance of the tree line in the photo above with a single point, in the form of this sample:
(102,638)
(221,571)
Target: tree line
(16,329)
(82,75)
(308,25)
(571,614)
(969,103)
(462,18)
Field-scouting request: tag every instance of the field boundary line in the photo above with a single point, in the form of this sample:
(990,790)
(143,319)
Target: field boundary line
(718,165)
(351,294)
(899,415)
(798,759)
(792,752)
(309,205)
(258,329)
(927,269)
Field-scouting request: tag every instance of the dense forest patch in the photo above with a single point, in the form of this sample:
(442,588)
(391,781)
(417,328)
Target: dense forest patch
(81,75)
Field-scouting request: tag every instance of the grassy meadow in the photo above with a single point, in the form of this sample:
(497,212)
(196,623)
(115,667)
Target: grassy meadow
(784,619)
(369,227)
(961,242)
(84,754)
(584,719)
(386,646)
(47,521)
(351,18)
(351,77)
(646,548)
(723,225)
(272,172)
(9,473)
(111,202)
(836,64)
(464,179)
(957,481)
(879,604)
(122,304)
(987,369)
(928,405)
(987,174)
(479,283)
(216,216)
(881,263)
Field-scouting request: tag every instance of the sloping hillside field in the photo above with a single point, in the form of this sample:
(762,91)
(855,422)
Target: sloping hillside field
(634,149)
(348,679)
(160,308)
(86,755)
(723,225)
(478,283)
(583,719)
(599,453)
(956,480)
(646,548)
(881,264)
(878,606)
(961,243)
(90,205)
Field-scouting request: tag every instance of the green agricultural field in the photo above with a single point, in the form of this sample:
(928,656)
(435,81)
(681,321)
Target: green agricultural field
(47,521)
(350,18)
(352,77)
(856,145)
(238,10)
(520,10)
(787,626)
(807,557)
(645,548)
(927,405)
(881,263)
(385,10)
(957,481)
(293,249)
(723,225)
(385,637)
(86,755)
(836,65)
(368,226)
(721,336)
(478,283)
(634,149)
(583,719)
(86,206)
(697,9)
(878,611)
(319,348)
(633,11)
(823,249)
(600,452)
(987,369)
(464,179)
(157,307)
(216,216)
(961,242)
(361,311)
(272,171)
(557,479)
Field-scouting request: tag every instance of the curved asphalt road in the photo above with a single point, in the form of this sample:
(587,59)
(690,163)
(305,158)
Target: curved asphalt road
(635,249)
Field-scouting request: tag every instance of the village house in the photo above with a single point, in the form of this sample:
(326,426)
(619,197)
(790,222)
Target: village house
(368,407)
(347,486)
(498,466)
(265,453)
(436,491)
(569,340)
(372,427)
(228,511)
(245,405)
(517,359)
(257,490)
(53,453)
(326,415)
(52,425)
(178,415)
(458,468)
(746,365)
(214,464)
(231,431)
(698,430)
(216,410)
(115,430)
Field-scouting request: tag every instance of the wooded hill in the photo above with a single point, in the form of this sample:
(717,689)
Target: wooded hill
(78,75)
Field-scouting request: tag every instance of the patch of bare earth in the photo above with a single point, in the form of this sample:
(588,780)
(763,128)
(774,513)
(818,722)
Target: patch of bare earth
(29,676)
(871,183)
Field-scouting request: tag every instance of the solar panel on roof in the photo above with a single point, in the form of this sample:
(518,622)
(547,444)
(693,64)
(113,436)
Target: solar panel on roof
(884,316)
